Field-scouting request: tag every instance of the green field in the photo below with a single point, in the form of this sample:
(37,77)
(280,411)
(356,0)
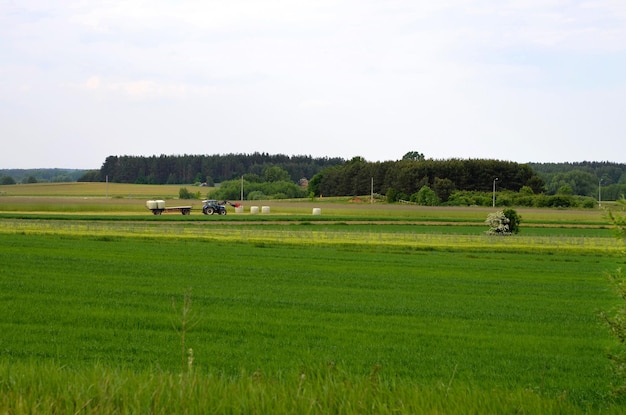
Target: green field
(414,311)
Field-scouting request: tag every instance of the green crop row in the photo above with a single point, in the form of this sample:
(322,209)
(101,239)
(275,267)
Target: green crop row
(540,240)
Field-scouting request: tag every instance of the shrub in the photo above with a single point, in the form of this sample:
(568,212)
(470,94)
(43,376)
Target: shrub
(498,224)
(504,200)
(558,201)
(527,201)
(526,191)
(425,197)
(503,222)
(183,193)
(461,198)
(257,195)
(562,201)
(514,220)
(587,202)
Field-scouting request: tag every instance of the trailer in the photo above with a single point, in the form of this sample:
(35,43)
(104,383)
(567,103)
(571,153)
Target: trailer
(158,207)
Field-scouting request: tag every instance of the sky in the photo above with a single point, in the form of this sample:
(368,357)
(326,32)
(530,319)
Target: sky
(515,80)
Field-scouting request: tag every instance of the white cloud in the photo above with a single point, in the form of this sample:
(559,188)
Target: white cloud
(313,103)
(143,89)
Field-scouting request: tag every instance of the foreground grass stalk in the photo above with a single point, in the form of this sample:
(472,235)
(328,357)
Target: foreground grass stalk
(187,322)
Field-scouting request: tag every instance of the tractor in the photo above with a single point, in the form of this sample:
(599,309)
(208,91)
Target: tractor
(213,206)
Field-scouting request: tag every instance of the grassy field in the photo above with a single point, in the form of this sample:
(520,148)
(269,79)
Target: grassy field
(416,311)
(95,190)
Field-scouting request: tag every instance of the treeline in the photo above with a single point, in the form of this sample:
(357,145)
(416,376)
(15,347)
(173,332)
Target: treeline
(210,169)
(407,177)
(24,176)
(584,178)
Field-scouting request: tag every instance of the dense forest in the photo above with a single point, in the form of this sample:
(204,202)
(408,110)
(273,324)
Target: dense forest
(408,176)
(584,178)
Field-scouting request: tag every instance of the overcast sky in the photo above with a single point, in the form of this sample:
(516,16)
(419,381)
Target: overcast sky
(526,81)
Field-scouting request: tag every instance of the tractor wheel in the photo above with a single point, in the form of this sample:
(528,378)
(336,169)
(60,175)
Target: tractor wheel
(210,211)
(223,212)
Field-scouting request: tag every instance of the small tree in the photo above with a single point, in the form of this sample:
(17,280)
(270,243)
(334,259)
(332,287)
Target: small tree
(443,188)
(426,197)
(504,222)
(413,155)
(514,220)
(498,224)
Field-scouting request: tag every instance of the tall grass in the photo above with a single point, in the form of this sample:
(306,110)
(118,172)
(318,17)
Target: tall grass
(48,388)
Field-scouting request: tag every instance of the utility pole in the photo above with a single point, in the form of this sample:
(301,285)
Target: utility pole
(600,193)
(494,192)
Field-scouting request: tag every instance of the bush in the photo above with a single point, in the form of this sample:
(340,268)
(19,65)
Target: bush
(504,222)
(504,200)
(558,201)
(526,201)
(425,197)
(461,198)
(391,195)
(183,193)
(498,224)
(514,220)
(588,202)
(257,195)
(562,201)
